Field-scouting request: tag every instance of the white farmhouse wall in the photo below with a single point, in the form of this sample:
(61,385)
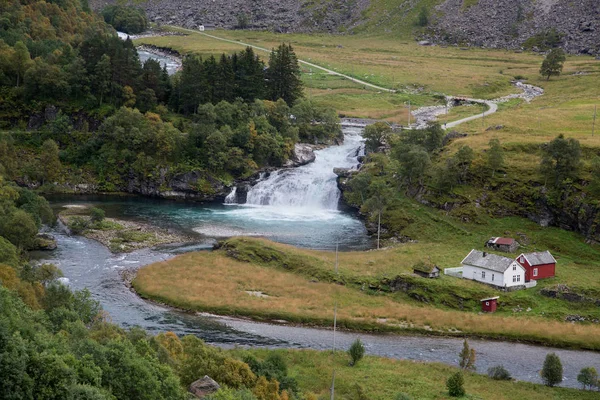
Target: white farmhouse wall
(493,277)
(515,269)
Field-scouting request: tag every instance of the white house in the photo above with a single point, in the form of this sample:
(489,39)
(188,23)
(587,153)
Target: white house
(492,269)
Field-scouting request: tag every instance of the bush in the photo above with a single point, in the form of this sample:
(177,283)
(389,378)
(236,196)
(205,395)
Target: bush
(552,372)
(455,385)
(97,214)
(588,377)
(499,373)
(78,224)
(356,352)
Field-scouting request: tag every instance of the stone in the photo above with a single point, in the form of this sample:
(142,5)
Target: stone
(203,387)
(425,43)
(303,154)
(45,242)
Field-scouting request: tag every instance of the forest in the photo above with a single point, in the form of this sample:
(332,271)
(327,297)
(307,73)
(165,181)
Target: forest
(77,104)
(76,101)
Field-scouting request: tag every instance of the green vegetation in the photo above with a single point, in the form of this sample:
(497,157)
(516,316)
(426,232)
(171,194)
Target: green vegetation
(356,352)
(553,63)
(466,358)
(455,385)
(376,291)
(588,377)
(499,373)
(126,18)
(552,371)
(385,379)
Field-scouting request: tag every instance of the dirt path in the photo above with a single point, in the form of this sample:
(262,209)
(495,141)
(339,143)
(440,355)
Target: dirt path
(529,92)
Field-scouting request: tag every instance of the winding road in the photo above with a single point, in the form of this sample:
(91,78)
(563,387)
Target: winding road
(492,104)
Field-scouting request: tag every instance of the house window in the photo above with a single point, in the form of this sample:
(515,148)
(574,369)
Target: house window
(483,275)
(518,278)
(492,277)
(515,278)
(487,303)
(514,267)
(535,272)
(522,260)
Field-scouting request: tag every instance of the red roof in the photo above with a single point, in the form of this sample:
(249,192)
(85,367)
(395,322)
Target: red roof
(504,241)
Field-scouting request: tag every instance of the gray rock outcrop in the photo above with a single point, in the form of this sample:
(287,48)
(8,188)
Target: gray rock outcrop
(303,154)
(275,15)
(509,23)
(203,387)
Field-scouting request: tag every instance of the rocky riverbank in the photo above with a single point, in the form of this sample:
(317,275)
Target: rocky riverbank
(120,236)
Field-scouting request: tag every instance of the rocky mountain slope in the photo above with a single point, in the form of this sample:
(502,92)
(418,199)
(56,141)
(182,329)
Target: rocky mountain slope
(509,23)
(277,15)
(488,23)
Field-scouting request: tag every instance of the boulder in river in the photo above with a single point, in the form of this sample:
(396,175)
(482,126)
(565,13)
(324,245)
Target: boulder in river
(44,241)
(203,387)
(303,154)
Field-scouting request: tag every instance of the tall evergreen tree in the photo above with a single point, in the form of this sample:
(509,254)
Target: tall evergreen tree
(224,84)
(249,75)
(283,75)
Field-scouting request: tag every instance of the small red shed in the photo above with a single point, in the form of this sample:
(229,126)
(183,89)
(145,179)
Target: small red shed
(490,304)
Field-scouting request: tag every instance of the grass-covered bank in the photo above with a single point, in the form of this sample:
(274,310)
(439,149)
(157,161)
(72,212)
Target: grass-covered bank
(267,281)
(382,379)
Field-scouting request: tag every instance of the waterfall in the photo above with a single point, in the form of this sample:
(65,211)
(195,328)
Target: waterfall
(232,197)
(311,186)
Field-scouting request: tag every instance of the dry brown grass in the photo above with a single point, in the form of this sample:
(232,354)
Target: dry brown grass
(212,282)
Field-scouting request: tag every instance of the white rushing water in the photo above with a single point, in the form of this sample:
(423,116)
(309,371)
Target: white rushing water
(312,187)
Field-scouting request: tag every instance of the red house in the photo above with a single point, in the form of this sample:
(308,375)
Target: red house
(489,305)
(537,265)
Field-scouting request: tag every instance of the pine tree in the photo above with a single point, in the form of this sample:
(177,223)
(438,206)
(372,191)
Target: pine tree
(283,75)
(552,371)
(467,357)
(495,156)
(224,84)
(102,77)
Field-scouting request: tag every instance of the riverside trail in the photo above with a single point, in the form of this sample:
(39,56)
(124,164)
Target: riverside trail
(491,104)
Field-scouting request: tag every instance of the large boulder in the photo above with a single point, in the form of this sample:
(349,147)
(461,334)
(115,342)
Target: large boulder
(303,154)
(45,242)
(203,387)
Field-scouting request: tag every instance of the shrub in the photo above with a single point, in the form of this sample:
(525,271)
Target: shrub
(356,352)
(467,357)
(552,371)
(78,224)
(588,377)
(455,385)
(97,214)
(499,373)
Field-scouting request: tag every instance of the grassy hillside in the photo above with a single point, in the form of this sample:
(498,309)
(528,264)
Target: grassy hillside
(382,379)
(300,285)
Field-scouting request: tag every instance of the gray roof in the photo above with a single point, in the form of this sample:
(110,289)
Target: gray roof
(492,262)
(540,258)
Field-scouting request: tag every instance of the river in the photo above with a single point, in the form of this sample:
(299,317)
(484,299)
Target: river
(296,206)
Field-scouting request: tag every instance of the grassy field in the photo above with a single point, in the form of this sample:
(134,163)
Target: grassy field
(383,379)
(300,286)
(418,72)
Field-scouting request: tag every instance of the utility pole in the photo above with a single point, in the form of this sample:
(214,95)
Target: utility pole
(334,324)
(594,122)
(409,114)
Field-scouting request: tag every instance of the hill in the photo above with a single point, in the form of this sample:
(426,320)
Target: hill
(488,23)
